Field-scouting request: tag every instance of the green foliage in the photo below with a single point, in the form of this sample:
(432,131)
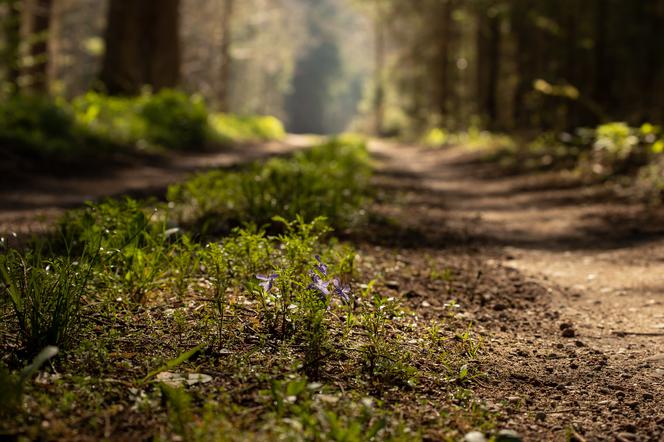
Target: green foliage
(175,120)
(11,385)
(45,295)
(180,413)
(132,243)
(381,357)
(168,118)
(336,419)
(113,118)
(228,128)
(96,124)
(607,150)
(43,128)
(329,180)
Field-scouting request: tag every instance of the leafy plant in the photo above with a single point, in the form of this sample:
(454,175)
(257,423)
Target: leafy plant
(175,120)
(227,128)
(330,180)
(132,243)
(45,295)
(11,385)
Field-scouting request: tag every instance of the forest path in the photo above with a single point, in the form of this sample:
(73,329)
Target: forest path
(30,203)
(600,259)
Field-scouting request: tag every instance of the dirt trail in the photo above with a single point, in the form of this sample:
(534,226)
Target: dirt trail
(600,261)
(30,205)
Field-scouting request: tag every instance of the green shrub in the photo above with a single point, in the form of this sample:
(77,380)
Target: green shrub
(41,127)
(133,243)
(113,118)
(45,295)
(227,128)
(168,118)
(329,180)
(175,120)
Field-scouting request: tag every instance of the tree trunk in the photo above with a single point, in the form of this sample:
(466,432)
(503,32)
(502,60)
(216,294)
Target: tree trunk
(602,83)
(379,67)
(12,36)
(443,57)
(38,21)
(488,52)
(225,74)
(142,46)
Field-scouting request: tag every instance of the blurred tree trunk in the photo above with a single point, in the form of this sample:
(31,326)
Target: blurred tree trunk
(12,39)
(379,69)
(142,46)
(225,77)
(38,19)
(603,72)
(443,57)
(488,51)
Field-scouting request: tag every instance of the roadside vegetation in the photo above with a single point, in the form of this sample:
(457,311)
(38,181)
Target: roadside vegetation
(229,312)
(630,156)
(96,125)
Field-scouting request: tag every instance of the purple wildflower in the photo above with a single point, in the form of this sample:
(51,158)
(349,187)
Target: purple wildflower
(319,284)
(320,266)
(267,281)
(342,291)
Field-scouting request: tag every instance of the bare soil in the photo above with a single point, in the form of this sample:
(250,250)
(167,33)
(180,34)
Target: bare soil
(569,288)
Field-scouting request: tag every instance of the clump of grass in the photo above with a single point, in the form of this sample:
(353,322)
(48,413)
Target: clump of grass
(45,295)
(330,180)
(41,128)
(228,128)
(132,244)
(168,118)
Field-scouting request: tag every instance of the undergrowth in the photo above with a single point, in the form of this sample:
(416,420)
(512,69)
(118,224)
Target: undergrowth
(96,125)
(632,155)
(272,330)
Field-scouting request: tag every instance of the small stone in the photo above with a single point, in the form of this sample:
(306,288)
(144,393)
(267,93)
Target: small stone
(648,396)
(579,344)
(629,428)
(625,435)
(474,436)
(565,325)
(568,333)
(573,366)
(540,416)
(410,294)
(394,285)
(499,307)
(508,436)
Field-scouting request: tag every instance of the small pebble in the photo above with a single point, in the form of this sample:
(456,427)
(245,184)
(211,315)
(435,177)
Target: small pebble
(508,436)
(568,333)
(392,285)
(474,436)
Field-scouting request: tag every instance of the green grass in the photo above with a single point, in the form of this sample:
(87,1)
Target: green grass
(96,125)
(176,331)
(609,150)
(329,180)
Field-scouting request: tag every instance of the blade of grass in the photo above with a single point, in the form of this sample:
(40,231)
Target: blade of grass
(175,362)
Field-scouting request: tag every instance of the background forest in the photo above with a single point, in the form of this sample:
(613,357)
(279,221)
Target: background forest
(324,66)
